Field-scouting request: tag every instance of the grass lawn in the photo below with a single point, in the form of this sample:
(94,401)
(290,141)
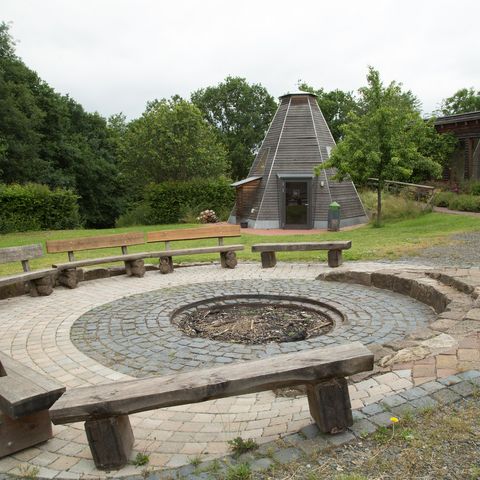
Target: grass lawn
(395,239)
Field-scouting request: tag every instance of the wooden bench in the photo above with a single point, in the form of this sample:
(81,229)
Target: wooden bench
(25,397)
(134,264)
(228,257)
(267,250)
(105,408)
(40,282)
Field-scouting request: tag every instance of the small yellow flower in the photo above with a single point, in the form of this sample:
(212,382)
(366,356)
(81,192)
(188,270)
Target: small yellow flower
(394,419)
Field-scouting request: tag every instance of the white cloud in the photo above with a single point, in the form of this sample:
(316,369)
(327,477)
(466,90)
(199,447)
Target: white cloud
(115,55)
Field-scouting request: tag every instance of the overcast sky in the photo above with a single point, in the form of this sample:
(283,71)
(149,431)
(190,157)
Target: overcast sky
(114,55)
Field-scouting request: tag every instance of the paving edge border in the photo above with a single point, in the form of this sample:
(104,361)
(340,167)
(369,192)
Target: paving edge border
(309,441)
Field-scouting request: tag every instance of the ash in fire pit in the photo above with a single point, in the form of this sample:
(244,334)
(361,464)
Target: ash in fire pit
(255,323)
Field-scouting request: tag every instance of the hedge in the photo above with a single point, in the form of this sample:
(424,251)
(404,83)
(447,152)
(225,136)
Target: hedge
(170,201)
(454,201)
(37,207)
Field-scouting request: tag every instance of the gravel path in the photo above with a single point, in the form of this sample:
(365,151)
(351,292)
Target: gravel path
(462,251)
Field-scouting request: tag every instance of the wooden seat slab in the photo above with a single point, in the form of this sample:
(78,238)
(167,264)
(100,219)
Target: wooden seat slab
(97,261)
(134,265)
(267,250)
(228,257)
(301,246)
(27,276)
(105,408)
(40,281)
(25,397)
(193,251)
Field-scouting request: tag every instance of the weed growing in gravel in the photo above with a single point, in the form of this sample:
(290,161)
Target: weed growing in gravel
(196,461)
(239,472)
(28,471)
(141,459)
(238,445)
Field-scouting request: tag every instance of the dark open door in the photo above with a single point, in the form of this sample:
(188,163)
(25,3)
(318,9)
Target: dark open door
(296,203)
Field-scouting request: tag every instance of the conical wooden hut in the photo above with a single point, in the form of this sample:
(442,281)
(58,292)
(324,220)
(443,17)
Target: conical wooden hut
(282,190)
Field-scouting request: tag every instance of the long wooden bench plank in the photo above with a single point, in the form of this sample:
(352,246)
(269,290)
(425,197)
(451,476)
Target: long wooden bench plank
(123,398)
(217,231)
(301,246)
(26,276)
(17,254)
(193,251)
(91,243)
(97,261)
(24,391)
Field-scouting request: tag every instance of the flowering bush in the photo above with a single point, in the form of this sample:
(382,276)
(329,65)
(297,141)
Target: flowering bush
(208,216)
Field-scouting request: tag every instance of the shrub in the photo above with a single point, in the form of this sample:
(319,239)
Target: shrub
(466,203)
(137,214)
(394,207)
(471,187)
(170,201)
(442,199)
(37,207)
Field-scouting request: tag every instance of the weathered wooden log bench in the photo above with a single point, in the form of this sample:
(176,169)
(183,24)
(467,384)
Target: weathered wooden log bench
(105,408)
(228,257)
(25,397)
(40,282)
(134,264)
(269,260)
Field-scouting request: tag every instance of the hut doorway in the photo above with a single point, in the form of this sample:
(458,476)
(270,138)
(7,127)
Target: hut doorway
(296,203)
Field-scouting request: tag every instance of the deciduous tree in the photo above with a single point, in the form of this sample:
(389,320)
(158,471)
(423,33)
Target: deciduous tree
(241,113)
(170,141)
(385,139)
(463,101)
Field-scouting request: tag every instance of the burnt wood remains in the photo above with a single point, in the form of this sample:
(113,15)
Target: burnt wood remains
(105,408)
(269,260)
(39,282)
(134,264)
(25,397)
(228,256)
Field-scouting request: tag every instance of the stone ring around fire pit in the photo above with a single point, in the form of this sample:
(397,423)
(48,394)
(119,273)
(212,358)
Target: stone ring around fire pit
(161,332)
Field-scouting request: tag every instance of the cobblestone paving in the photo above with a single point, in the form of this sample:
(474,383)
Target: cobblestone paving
(36,332)
(135,336)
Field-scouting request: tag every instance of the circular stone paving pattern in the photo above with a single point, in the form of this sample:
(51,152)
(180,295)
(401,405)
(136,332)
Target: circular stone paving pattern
(135,335)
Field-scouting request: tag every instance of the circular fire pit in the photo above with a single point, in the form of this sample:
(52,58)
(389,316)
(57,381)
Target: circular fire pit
(140,334)
(257,320)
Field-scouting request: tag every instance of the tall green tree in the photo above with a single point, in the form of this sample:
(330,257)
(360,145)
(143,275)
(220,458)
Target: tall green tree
(335,106)
(241,113)
(463,101)
(170,141)
(48,138)
(385,140)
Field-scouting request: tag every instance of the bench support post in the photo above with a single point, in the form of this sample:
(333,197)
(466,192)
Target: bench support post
(68,278)
(335,258)
(135,268)
(228,259)
(41,286)
(110,440)
(330,406)
(166,265)
(269,260)
(24,432)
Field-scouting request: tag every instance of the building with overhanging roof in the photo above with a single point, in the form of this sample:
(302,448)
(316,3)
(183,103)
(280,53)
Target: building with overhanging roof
(465,160)
(281,190)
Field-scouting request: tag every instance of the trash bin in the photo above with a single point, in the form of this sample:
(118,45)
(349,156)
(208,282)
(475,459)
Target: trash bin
(334,217)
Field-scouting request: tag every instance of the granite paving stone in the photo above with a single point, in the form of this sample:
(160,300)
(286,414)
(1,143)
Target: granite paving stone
(118,328)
